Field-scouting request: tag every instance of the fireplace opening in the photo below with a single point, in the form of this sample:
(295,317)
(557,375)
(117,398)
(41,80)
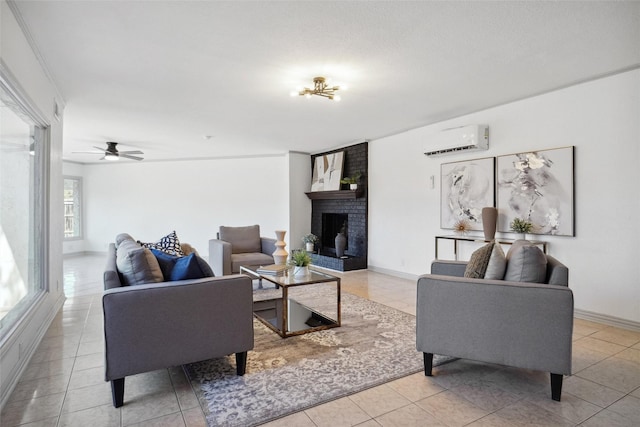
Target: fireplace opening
(332,224)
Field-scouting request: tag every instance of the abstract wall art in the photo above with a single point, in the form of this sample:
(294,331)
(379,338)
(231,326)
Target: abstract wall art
(537,186)
(466,187)
(327,172)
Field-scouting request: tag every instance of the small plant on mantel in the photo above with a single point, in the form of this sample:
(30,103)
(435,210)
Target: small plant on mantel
(352,180)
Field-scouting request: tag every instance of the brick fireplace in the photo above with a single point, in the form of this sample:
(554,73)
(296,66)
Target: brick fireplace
(331,211)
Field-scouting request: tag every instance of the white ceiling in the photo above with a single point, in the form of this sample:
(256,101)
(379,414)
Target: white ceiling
(160,75)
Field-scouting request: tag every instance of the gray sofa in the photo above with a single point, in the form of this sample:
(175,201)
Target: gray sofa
(236,246)
(158,325)
(519,324)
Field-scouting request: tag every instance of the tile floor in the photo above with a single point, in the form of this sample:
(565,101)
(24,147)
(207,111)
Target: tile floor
(64,383)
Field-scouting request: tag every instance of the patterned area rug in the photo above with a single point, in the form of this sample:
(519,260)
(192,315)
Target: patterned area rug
(375,344)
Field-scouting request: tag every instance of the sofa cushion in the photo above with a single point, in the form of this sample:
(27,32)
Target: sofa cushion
(253,258)
(168,244)
(182,268)
(477,265)
(526,263)
(136,264)
(497,264)
(242,239)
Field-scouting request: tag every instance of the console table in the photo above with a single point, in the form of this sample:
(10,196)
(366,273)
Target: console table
(481,239)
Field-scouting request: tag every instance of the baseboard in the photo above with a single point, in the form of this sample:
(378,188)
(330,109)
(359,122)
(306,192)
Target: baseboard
(393,273)
(607,320)
(84,253)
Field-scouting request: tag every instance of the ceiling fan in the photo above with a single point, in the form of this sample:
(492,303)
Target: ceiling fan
(112,153)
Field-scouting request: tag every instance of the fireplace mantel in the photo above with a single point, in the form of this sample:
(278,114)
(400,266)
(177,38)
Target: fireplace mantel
(334,195)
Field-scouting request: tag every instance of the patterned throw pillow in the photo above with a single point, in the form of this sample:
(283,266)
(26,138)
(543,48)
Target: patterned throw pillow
(477,265)
(168,244)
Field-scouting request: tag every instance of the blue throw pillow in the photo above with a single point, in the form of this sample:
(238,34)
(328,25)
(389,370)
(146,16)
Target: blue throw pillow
(182,268)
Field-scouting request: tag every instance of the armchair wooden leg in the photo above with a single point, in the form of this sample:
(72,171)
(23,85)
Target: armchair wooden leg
(556,386)
(117,392)
(241,363)
(428,364)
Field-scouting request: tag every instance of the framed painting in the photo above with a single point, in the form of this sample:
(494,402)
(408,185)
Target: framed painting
(465,188)
(537,186)
(327,172)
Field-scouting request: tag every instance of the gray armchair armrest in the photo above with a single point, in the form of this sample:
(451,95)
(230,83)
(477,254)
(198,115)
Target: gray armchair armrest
(220,257)
(523,325)
(449,268)
(268,245)
(149,327)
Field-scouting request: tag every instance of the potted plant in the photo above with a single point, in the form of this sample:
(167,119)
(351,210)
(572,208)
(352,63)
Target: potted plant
(310,240)
(352,180)
(521,226)
(300,261)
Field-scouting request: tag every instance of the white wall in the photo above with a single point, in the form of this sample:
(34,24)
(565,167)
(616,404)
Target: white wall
(17,348)
(193,197)
(600,118)
(299,203)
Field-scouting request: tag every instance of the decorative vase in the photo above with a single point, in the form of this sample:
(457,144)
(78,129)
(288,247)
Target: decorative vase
(309,247)
(341,243)
(353,186)
(280,254)
(489,220)
(300,271)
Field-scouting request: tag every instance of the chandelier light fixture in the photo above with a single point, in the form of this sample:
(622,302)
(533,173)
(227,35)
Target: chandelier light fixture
(320,88)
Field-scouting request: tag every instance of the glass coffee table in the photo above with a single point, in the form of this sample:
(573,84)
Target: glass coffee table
(298,305)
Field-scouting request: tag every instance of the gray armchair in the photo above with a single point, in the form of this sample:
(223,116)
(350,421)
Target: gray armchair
(524,325)
(158,325)
(236,246)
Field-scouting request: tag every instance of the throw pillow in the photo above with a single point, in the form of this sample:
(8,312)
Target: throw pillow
(182,268)
(168,244)
(477,265)
(136,264)
(122,237)
(526,263)
(497,264)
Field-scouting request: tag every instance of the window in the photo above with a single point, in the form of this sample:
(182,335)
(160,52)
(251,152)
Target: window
(23,227)
(72,207)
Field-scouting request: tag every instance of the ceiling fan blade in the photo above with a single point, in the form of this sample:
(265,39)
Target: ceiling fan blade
(99,148)
(88,152)
(131,152)
(126,156)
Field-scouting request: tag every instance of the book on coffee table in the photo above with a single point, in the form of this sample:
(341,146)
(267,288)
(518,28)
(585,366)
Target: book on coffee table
(272,270)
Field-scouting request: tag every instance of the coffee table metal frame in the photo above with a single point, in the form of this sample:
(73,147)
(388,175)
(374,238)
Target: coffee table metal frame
(286,282)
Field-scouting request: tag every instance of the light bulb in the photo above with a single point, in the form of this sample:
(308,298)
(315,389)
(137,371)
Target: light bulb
(111,157)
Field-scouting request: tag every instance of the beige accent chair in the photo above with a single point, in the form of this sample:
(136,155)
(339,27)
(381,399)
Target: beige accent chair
(236,246)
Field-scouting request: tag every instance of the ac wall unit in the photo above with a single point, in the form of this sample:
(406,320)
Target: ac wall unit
(454,140)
